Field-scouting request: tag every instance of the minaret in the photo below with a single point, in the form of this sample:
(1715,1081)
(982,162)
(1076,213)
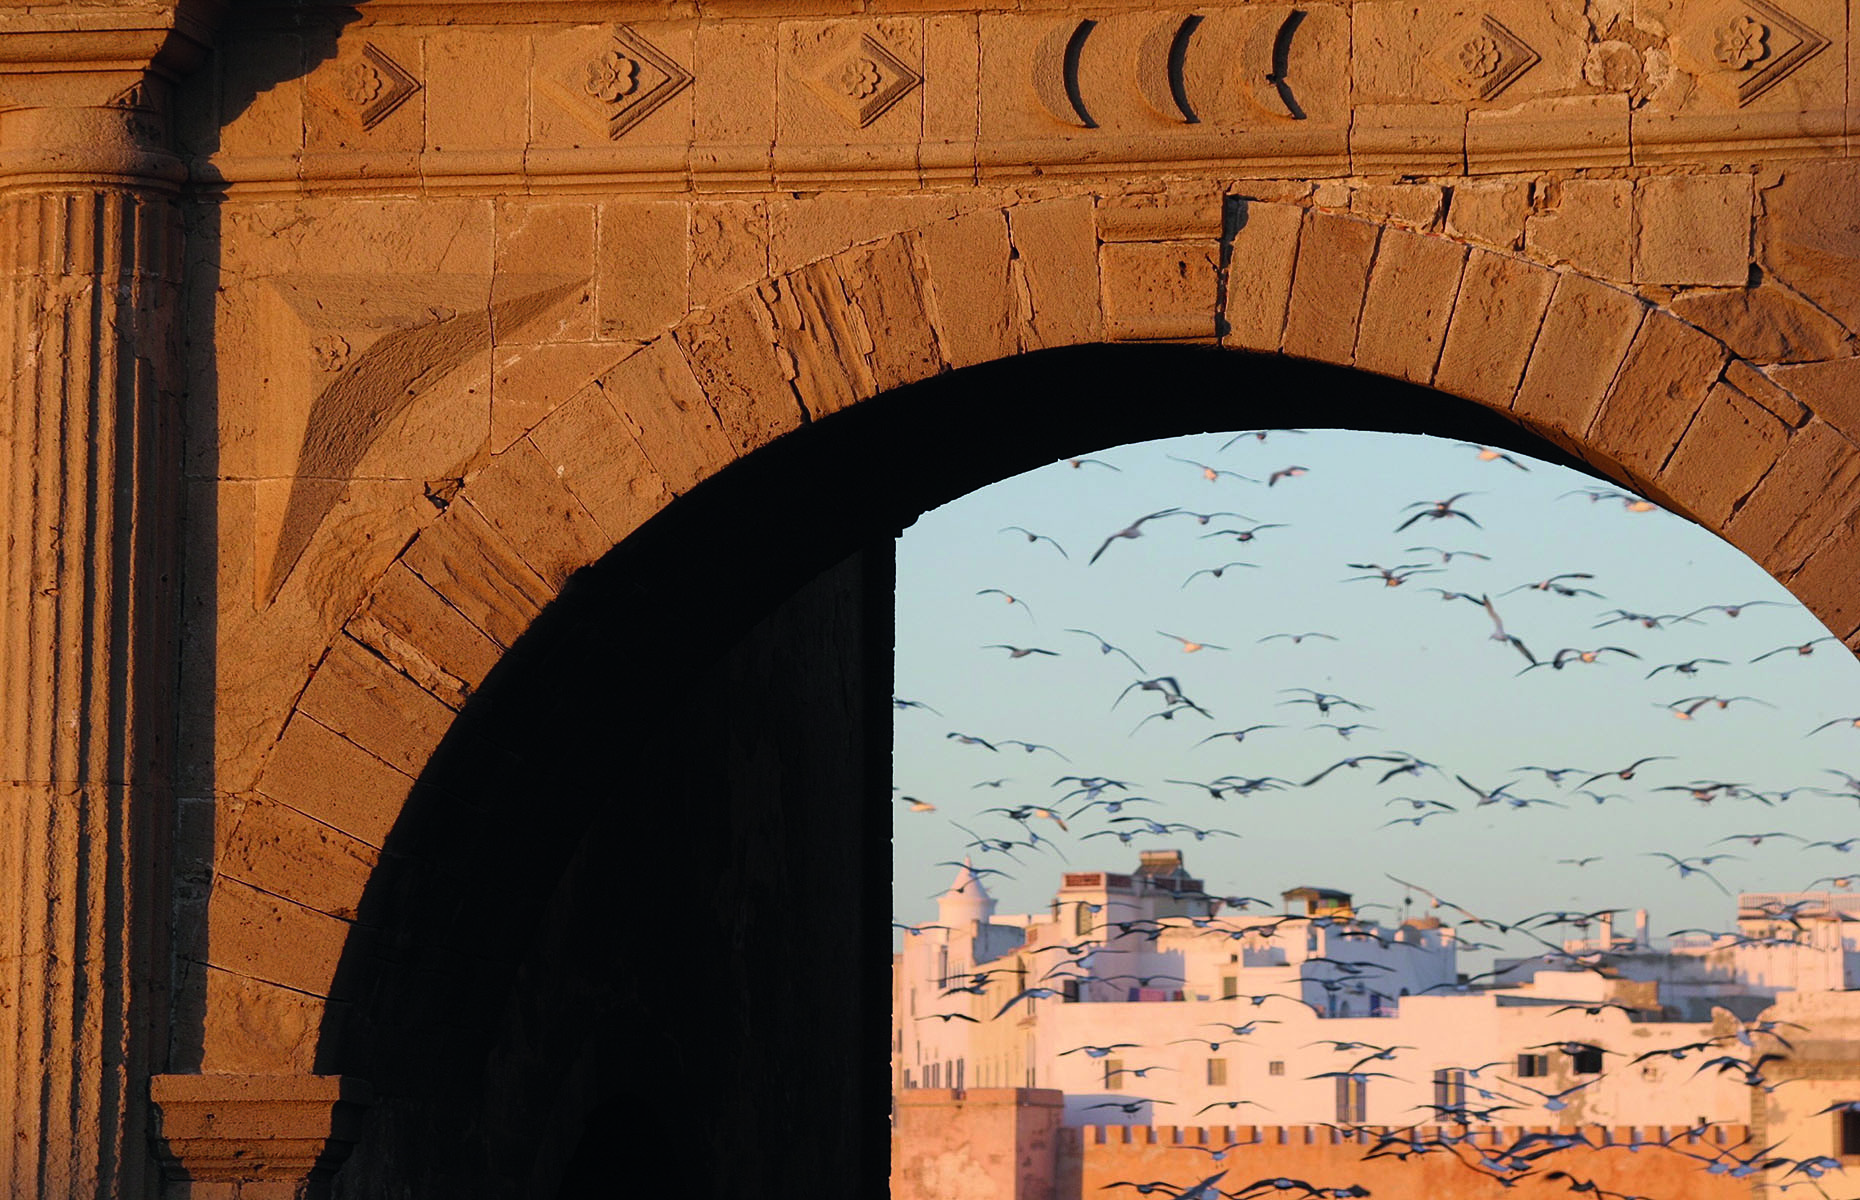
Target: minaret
(965,903)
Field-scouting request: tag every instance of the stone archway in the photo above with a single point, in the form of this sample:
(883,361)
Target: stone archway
(452,296)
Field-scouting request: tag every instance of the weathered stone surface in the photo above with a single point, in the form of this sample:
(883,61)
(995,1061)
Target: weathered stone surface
(746,363)
(1692,229)
(971,287)
(1056,253)
(729,247)
(276,848)
(593,453)
(479,574)
(1831,389)
(523,499)
(1824,581)
(551,239)
(358,695)
(326,776)
(1492,214)
(1334,254)
(1160,289)
(1766,324)
(1775,399)
(530,381)
(1812,489)
(885,283)
(471,75)
(1412,288)
(645,268)
(1668,370)
(263,937)
(1730,445)
(409,625)
(1494,326)
(1259,273)
(258,1026)
(1415,205)
(1584,339)
(1587,224)
(658,397)
(1810,235)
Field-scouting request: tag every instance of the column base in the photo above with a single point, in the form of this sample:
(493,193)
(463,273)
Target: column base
(255,1137)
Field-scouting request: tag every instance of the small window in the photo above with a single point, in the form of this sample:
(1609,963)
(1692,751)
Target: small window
(1352,1099)
(1450,1090)
(1275,1067)
(1533,1066)
(1230,987)
(1069,991)
(1081,919)
(1217,1072)
(1113,1074)
(1587,1061)
(1849,1133)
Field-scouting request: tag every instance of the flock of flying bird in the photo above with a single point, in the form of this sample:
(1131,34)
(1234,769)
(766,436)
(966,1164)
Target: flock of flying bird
(1042,817)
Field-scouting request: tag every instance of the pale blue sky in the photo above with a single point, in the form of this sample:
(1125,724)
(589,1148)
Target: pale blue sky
(1438,686)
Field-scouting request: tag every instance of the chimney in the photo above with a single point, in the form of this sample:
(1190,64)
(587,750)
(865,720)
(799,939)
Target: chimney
(1640,929)
(1608,931)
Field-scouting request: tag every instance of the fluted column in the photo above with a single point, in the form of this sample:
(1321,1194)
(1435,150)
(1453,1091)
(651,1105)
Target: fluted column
(89,522)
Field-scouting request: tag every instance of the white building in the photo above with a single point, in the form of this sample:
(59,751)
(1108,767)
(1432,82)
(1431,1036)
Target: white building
(1152,1001)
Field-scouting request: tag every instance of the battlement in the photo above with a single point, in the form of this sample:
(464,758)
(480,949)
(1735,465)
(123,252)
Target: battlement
(1475,1135)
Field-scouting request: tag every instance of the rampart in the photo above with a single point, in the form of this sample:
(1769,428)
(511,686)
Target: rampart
(1008,1144)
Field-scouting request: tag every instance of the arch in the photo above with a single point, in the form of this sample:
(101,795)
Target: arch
(1625,387)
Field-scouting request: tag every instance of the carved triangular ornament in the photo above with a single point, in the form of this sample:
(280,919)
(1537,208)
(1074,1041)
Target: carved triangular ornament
(1482,57)
(861,81)
(616,83)
(365,87)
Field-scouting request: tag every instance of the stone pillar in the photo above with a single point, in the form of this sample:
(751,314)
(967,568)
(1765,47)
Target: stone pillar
(89,515)
(256,1137)
(978,1144)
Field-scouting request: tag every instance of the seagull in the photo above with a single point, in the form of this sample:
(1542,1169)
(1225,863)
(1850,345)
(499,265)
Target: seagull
(1032,537)
(1217,572)
(1189,647)
(1498,630)
(1105,647)
(1438,509)
(1296,638)
(1805,649)
(1286,473)
(1243,535)
(1211,474)
(1626,772)
(1571,654)
(1690,667)
(1393,576)
(1258,435)
(1010,599)
(1447,556)
(1076,463)
(968,740)
(1238,735)
(901,705)
(1132,530)
(1324,700)
(1851,721)
(1551,584)
(1487,454)
(1731,610)
(1020,651)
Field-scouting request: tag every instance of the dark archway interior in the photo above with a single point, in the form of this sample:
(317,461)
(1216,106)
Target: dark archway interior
(639,897)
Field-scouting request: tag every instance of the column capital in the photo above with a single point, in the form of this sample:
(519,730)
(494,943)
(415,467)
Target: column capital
(84,88)
(279,1129)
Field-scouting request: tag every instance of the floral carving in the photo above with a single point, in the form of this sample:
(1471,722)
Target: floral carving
(860,78)
(1480,56)
(331,352)
(1742,43)
(612,77)
(359,82)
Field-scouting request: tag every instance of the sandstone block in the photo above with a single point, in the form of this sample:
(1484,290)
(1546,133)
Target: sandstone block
(1692,229)
(479,574)
(729,247)
(593,453)
(891,294)
(326,776)
(1766,324)
(1589,225)
(276,848)
(1549,131)
(742,361)
(971,289)
(520,496)
(734,121)
(668,414)
(260,936)
(1415,205)
(1729,446)
(257,1026)
(1664,378)
(413,628)
(810,228)
(1831,389)
(1259,273)
(550,239)
(1412,288)
(1056,261)
(1761,390)
(472,77)
(1160,290)
(1812,489)
(1825,580)
(644,267)
(1408,139)
(358,695)
(1492,214)
(1495,323)
(529,381)
(1809,237)
(1334,254)
(1585,336)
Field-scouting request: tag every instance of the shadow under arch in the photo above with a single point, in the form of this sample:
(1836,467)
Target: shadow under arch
(636,899)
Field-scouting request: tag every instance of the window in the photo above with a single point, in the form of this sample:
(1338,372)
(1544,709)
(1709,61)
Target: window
(1533,1066)
(1587,1061)
(1217,1072)
(959,1065)
(1849,1132)
(1230,987)
(1275,1067)
(1450,1089)
(1352,1099)
(1069,991)
(1113,1074)
(1081,918)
